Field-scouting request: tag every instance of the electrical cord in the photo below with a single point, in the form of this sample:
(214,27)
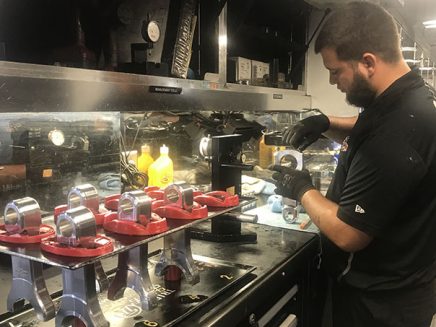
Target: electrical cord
(130,175)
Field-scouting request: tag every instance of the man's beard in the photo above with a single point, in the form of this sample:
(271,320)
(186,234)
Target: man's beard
(361,94)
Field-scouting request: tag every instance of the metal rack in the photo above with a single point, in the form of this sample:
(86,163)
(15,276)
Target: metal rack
(39,88)
(79,275)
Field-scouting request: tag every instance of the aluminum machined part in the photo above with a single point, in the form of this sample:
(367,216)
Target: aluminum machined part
(22,215)
(180,195)
(83,195)
(177,252)
(132,272)
(101,276)
(135,206)
(76,227)
(291,210)
(205,147)
(294,158)
(79,298)
(28,284)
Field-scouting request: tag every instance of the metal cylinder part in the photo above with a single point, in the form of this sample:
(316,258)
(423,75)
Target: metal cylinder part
(135,206)
(23,215)
(205,147)
(180,195)
(76,227)
(290,158)
(83,195)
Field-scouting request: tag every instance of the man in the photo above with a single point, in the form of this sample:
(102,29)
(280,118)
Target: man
(378,219)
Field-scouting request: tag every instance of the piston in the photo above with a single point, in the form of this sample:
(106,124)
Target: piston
(76,227)
(135,206)
(22,215)
(84,195)
(180,195)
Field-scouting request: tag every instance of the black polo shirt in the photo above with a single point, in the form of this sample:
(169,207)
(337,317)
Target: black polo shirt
(385,185)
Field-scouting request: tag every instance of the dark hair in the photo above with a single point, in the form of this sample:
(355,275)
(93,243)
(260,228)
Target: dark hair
(359,27)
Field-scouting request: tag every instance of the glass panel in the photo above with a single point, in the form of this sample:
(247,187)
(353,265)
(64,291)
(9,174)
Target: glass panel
(42,155)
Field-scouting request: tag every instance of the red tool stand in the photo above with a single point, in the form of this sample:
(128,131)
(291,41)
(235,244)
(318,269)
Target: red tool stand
(217,199)
(156,225)
(154,192)
(45,231)
(111,202)
(173,212)
(178,203)
(134,216)
(99,246)
(157,193)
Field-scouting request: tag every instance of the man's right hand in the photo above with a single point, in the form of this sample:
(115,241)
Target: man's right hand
(306,131)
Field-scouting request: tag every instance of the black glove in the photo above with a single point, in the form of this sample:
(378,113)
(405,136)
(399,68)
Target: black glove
(291,183)
(306,131)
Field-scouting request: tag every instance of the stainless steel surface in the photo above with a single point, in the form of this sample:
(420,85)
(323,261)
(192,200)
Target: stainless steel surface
(28,284)
(22,215)
(135,206)
(83,195)
(76,227)
(177,252)
(132,272)
(179,194)
(222,45)
(79,298)
(120,243)
(39,88)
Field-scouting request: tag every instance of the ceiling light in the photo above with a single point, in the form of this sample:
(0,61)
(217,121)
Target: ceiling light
(430,23)
(412,61)
(427,68)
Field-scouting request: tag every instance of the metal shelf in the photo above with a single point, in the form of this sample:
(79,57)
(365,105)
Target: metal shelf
(38,88)
(121,243)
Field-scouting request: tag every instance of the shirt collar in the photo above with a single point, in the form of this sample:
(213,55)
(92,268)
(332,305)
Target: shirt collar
(408,81)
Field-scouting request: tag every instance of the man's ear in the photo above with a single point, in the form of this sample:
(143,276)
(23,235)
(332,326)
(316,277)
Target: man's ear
(369,62)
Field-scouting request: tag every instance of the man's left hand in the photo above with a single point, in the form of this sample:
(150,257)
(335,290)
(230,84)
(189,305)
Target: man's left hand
(291,183)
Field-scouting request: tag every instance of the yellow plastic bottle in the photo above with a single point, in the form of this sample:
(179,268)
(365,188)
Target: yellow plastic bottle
(145,159)
(160,172)
(265,154)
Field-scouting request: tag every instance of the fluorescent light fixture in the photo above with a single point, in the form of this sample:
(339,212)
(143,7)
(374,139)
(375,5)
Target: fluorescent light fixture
(413,61)
(222,40)
(404,49)
(427,68)
(430,23)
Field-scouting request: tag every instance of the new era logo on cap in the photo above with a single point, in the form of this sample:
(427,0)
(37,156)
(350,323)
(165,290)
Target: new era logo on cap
(359,209)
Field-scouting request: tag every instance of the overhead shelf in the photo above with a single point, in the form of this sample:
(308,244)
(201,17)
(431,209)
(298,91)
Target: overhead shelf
(39,88)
